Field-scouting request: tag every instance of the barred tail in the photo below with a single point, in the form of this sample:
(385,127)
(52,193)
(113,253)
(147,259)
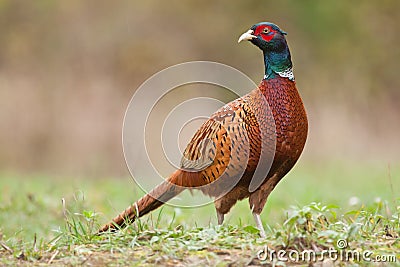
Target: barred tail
(151,201)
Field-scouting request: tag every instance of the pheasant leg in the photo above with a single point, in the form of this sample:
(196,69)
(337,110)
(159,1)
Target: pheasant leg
(259,224)
(220,217)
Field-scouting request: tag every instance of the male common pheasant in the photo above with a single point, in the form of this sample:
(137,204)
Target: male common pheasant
(229,150)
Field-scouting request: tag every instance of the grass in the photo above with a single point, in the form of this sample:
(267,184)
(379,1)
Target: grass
(316,208)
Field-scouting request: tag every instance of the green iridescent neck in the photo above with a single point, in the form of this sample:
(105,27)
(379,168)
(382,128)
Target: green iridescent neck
(278,63)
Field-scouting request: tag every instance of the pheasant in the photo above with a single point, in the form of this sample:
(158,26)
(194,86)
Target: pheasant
(245,148)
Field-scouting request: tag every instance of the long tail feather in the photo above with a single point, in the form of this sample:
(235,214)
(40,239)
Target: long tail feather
(151,201)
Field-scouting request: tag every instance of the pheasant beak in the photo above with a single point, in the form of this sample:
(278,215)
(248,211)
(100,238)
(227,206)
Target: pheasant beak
(247,36)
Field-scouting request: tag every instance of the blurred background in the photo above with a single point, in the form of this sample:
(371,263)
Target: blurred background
(68,70)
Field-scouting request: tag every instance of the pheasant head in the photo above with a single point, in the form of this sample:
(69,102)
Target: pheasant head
(271,40)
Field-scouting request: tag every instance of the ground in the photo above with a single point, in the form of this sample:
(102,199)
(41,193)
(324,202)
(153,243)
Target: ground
(345,208)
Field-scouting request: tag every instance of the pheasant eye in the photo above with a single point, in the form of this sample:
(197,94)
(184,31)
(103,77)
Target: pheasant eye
(266,30)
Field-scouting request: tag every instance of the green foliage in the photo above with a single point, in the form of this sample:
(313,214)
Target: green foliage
(310,227)
(44,220)
(321,224)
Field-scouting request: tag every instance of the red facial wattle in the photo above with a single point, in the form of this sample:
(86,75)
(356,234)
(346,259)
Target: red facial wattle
(266,33)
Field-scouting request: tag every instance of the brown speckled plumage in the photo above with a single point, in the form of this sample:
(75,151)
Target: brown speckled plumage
(222,156)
